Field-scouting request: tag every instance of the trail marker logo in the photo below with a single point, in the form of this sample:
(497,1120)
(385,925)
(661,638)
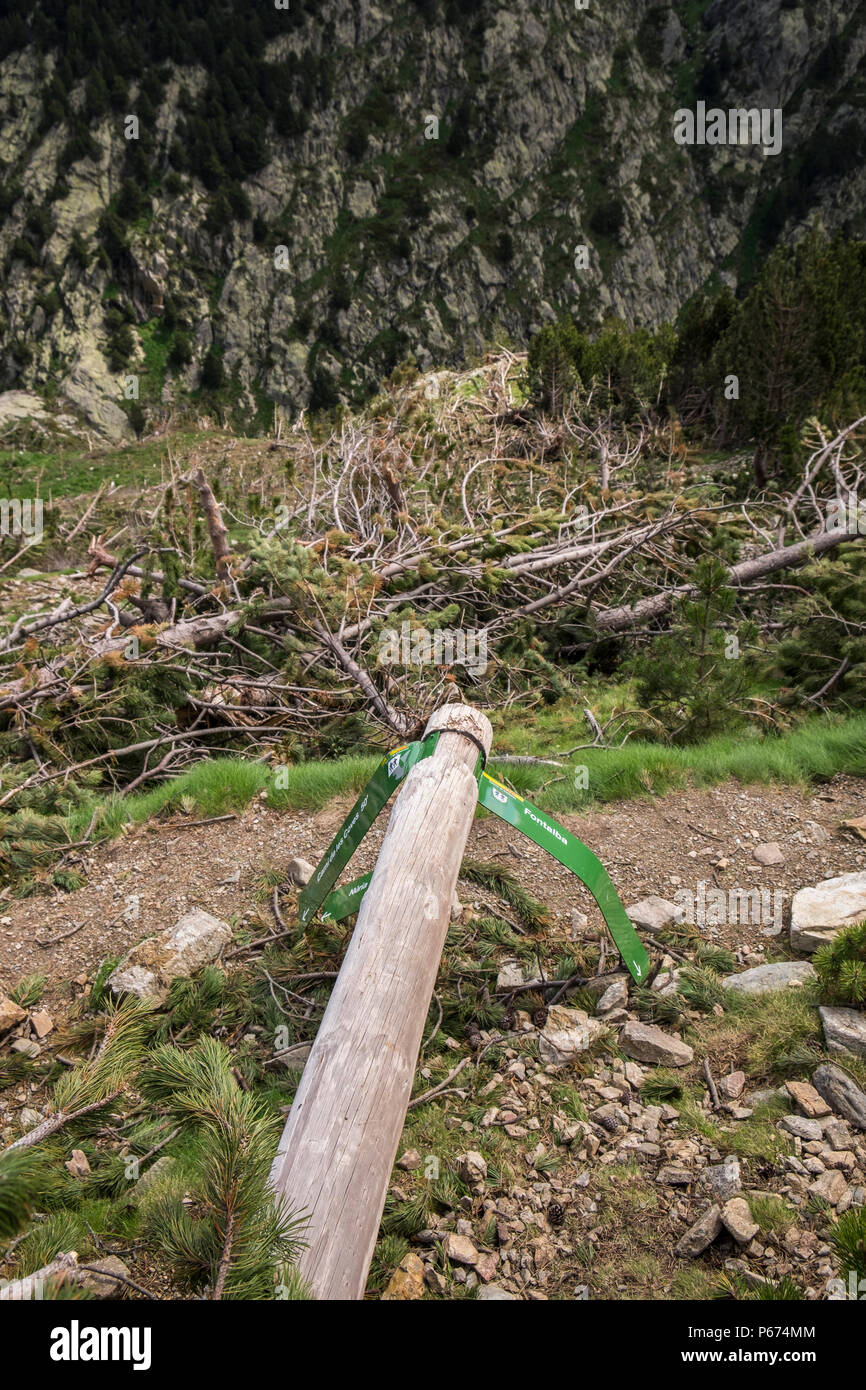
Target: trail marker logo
(77,1343)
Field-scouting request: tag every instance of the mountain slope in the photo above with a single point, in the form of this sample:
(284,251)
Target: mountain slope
(291,223)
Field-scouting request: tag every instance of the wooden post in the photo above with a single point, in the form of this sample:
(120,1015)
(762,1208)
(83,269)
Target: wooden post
(338,1148)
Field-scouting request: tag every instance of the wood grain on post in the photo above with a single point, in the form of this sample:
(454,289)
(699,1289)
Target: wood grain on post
(338,1148)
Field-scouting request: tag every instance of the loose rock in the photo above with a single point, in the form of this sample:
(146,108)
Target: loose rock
(842,1093)
(295,1058)
(818,913)
(77,1165)
(844,1030)
(830,1185)
(407,1281)
(299,872)
(738,1220)
(10,1013)
(655,913)
(810,1102)
(732,1085)
(566,1033)
(459,1249)
(647,1043)
(101,1285)
(768,854)
(195,940)
(701,1234)
(510,975)
(724,1179)
(808,1130)
(472,1168)
(614,997)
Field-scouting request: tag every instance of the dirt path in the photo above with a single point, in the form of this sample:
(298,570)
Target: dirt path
(143,882)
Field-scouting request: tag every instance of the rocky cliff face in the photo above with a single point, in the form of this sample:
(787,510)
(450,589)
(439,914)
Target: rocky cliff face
(470,173)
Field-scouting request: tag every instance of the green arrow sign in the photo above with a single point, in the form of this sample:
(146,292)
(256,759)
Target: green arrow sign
(539,827)
(390,772)
(550,835)
(344,901)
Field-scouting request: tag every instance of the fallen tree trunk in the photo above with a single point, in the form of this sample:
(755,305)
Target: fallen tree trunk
(335,1158)
(626,616)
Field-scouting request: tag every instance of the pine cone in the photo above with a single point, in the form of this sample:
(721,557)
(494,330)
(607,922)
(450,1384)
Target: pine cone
(609,1122)
(509,1021)
(539,1017)
(556,1214)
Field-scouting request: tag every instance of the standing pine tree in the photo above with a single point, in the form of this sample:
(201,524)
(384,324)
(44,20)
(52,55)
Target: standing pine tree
(694,678)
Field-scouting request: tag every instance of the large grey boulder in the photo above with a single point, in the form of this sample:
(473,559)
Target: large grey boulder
(780,974)
(818,913)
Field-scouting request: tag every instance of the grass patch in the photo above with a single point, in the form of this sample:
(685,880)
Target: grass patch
(695,1282)
(663,1086)
(849,1243)
(216,786)
(816,750)
(773,1215)
(624,1262)
(786,1032)
(769,1037)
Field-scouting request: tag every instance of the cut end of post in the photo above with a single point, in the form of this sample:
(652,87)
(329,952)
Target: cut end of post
(464,719)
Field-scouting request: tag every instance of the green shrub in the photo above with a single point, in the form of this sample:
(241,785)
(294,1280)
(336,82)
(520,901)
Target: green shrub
(693,679)
(181,349)
(841,967)
(625,367)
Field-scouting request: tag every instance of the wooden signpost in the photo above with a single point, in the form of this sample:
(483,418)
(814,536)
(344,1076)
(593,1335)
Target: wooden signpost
(337,1151)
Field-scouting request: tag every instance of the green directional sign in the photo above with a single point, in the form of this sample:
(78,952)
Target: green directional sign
(346,900)
(390,772)
(539,827)
(543,830)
